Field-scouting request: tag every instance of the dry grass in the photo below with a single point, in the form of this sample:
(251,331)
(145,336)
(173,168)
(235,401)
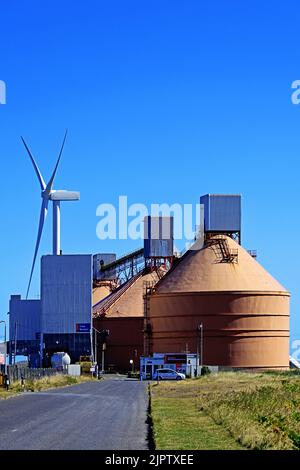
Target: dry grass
(44,383)
(259,411)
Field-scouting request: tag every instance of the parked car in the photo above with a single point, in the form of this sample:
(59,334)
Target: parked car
(168,374)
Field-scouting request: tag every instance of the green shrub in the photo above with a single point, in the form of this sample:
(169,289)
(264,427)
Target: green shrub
(205,370)
(71,380)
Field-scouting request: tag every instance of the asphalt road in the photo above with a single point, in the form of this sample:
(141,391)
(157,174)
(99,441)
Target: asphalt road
(108,414)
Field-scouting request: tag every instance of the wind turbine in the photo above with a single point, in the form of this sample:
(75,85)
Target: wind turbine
(56,196)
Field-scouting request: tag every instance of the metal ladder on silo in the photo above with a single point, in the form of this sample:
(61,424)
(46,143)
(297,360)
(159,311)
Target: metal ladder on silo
(223,253)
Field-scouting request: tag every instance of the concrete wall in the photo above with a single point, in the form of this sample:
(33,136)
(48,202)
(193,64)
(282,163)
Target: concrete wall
(66,292)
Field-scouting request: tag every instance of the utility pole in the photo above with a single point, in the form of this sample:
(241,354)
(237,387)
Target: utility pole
(197,360)
(200,359)
(103,350)
(91,340)
(201,344)
(15,353)
(103,345)
(5,351)
(5,360)
(95,345)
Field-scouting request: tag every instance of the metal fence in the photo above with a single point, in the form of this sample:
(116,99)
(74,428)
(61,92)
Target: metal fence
(16,373)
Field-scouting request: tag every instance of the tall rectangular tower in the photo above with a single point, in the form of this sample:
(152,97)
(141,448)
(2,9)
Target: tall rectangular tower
(222,214)
(66,297)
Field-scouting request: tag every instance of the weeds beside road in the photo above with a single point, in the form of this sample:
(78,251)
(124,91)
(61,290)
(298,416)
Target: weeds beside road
(228,411)
(37,385)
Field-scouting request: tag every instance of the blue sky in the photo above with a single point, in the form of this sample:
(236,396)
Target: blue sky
(164,101)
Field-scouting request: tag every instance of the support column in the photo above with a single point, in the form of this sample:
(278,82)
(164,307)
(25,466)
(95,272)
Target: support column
(56,227)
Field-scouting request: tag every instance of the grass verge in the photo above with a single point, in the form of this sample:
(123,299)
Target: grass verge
(228,411)
(42,384)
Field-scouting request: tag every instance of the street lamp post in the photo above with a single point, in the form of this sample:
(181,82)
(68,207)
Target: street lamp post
(5,354)
(103,347)
(15,354)
(95,349)
(200,359)
(201,345)
(102,361)
(197,339)
(95,346)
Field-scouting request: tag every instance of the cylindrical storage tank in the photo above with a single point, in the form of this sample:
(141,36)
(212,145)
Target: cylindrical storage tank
(60,360)
(243,309)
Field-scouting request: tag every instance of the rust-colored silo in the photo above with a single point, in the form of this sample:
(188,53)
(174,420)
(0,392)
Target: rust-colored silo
(122,313)
(243,309)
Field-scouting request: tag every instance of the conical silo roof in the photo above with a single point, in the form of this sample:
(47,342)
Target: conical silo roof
(204,271)
(127,300)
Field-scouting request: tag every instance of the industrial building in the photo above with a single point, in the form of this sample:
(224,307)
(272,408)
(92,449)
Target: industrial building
(243,310)
(217,302)
(61,319)
(214,302)
(122,314)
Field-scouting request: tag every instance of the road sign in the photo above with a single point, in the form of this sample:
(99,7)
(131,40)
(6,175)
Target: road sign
(83,327)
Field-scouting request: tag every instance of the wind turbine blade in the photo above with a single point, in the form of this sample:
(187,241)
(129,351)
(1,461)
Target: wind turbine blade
(38,173)
(43,215)
(50,184)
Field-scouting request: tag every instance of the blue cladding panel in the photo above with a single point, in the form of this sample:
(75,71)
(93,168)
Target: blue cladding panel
(222,213)
(27,314)
(66,292)
(158,237)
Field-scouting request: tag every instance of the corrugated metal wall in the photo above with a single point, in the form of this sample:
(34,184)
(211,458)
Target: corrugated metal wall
(66,291)
(222,212)
(27,315)
(158,237)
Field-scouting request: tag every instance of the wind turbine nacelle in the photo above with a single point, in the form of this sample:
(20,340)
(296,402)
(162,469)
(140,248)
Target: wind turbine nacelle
(61,195)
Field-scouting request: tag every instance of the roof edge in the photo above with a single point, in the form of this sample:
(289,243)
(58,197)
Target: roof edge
(225,292)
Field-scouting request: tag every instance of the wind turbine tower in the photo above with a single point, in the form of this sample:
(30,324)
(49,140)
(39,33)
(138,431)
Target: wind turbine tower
(49,194)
